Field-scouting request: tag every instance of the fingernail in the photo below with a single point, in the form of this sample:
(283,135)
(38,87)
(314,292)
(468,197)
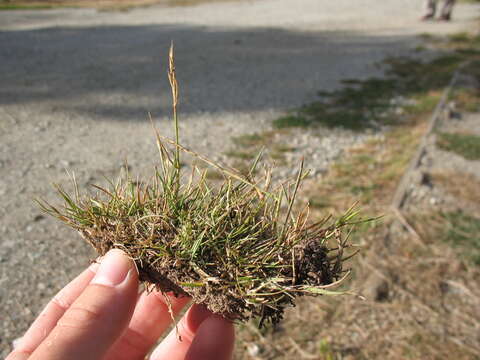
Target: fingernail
(94,266)
(16,343)
(113,269)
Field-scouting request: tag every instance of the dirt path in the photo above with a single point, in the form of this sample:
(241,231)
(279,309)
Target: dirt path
(75,86)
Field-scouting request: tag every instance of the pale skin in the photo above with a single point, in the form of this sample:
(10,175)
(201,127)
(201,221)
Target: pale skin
(100,316)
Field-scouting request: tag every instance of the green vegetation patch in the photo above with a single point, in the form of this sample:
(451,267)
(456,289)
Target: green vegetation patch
(459,37)
(363,104)
(462,39)
(466,145)
(416,77)
(255,139)
(424,103)
(250,145)
(473,68)
(243,155)
(466,98)
(357,106)
(292,121)
(462,43)
(462,231)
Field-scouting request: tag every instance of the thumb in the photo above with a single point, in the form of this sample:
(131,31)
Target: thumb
(99,315)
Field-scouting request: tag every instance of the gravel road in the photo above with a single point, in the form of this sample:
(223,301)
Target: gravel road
(76,84)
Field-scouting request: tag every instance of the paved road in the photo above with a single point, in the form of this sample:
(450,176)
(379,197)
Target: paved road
(75,86)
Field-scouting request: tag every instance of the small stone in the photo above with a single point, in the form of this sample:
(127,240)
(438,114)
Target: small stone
(65,163)
(41,286)
(253,349)
(376,288)
(6,243)
(319,171)
(38,217)
(426,180)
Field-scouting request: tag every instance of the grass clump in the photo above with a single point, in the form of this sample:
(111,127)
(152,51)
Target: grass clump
(291,120)
(466,145)
(239,248)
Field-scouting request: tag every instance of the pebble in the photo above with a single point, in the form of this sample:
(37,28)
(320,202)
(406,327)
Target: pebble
(7,243)
(65,163)
(253,349)
(38,217)
(41,286)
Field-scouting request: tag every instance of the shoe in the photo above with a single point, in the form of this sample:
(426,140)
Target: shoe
(445,17)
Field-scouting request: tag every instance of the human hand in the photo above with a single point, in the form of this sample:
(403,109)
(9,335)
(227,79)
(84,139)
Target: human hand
(99,315)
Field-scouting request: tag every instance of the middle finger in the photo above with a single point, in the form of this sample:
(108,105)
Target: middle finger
(150,319)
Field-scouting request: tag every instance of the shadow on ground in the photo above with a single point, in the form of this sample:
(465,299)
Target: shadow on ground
(119,72)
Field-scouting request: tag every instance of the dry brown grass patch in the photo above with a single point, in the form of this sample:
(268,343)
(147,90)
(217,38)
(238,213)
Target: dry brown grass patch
(464,187)
(368,173)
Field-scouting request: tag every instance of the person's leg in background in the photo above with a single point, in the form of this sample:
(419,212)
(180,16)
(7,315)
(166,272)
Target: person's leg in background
(447,10)
(431,8)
